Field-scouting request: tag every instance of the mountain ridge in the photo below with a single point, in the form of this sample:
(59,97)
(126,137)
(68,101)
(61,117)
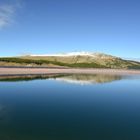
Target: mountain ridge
(82,53)
(73,59)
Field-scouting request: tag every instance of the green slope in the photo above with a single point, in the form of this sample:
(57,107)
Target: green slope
(78,61)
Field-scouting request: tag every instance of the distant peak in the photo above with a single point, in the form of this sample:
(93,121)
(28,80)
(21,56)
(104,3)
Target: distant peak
(82,53)
(66,54)
(78,53)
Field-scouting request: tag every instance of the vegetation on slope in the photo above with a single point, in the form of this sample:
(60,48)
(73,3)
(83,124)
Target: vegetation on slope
(30,62)
(73,62)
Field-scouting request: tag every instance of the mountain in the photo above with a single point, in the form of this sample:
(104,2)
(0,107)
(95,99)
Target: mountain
(74,59)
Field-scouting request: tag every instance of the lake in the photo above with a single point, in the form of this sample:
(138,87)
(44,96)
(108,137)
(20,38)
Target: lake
(70,107)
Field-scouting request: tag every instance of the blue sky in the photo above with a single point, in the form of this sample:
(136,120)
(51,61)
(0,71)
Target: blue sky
(56,26)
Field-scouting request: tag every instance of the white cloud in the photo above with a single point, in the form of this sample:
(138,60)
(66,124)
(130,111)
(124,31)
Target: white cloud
(7,14)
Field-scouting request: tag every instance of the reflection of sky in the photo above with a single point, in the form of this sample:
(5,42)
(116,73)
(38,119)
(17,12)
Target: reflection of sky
(42,105)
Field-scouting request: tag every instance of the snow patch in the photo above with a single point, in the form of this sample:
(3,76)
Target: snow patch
(72,54)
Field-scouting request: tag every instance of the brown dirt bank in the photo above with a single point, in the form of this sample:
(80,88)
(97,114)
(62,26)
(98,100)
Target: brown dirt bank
(25,71)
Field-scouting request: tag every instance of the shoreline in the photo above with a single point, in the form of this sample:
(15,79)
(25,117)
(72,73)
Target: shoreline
(47,71)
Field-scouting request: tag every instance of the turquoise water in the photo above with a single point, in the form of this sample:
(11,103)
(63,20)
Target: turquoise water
(70,107)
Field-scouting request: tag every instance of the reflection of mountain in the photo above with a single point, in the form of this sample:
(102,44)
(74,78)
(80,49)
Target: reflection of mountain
(69,78)
(16,78)
(88,78)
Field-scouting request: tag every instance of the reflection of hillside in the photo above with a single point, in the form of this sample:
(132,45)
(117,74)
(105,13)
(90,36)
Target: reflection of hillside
(70,78)
(16,78)
(88,78)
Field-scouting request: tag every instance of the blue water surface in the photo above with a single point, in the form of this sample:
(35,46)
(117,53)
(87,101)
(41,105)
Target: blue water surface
(70,109)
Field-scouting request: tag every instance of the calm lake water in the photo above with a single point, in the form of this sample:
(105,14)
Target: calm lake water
(70,107)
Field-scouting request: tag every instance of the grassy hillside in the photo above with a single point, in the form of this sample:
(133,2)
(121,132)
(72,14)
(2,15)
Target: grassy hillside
(42,62)
(78,61)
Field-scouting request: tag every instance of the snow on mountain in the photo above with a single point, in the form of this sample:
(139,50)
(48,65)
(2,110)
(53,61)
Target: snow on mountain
(91,54)
(68,54)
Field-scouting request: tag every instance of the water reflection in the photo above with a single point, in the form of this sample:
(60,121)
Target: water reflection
(47,110)
(84,79)
(81,79)
(3,114)
(16,78)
